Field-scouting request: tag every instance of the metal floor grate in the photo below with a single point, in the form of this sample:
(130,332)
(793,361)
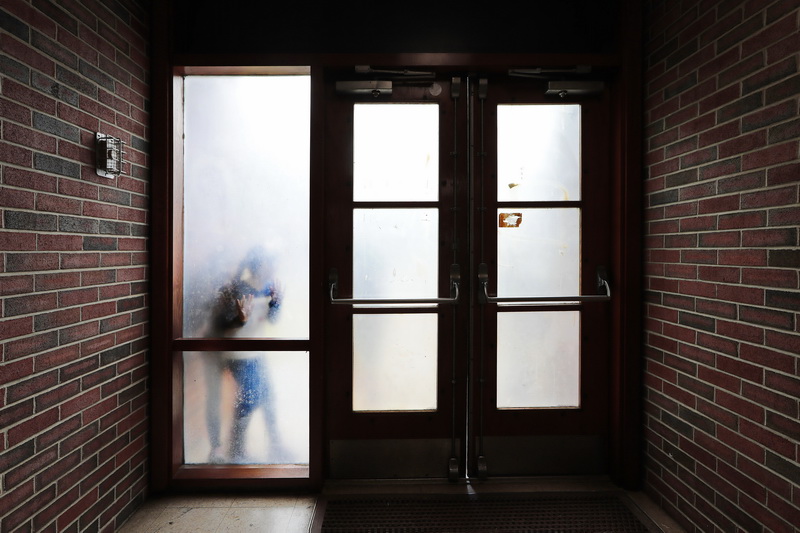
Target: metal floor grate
(560,513)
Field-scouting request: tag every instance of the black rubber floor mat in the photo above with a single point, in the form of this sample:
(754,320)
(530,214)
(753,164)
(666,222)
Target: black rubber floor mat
(560,513)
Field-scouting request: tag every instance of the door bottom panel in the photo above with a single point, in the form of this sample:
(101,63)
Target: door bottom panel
(389,458)
(546,455)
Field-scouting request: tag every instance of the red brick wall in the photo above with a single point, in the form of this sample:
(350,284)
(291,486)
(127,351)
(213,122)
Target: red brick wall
(722,369)
(73,265)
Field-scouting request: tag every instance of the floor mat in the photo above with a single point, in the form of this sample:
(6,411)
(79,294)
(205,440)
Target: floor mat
(553,513)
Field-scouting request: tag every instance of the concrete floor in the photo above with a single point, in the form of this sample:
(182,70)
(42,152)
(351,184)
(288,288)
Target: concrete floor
(286,513)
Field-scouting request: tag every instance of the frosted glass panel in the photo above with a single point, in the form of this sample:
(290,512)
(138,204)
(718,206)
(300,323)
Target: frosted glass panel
(396,152)
(394,362)
(246,407)
(246,198)
(395,253)
(538,360)
(538,252)
(538,152)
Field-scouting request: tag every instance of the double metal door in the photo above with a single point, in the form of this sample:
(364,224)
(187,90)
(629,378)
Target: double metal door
(467,235)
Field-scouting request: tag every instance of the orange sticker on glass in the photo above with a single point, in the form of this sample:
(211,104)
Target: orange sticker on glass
(510,220)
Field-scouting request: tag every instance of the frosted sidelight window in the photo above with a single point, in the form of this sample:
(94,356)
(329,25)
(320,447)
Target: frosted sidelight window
(246,206)
(395,253)
(538,254)
(538,359)
(394,362)
(538,152)
(395,152)
(246,407)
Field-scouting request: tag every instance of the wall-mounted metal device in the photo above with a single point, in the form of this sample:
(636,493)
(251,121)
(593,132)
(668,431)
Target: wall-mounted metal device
(563,89)
(404,73)
(545,73)
(109,155)
(374,88)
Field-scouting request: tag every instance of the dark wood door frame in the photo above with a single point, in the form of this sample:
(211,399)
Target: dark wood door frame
(626,271)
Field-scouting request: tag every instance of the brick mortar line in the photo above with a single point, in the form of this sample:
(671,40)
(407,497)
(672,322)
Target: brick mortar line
(80,215)
(766,208)
(696,428)
(98,184)
(33,170)
(66,326)
(761,13)
(54,483)
(713,505)
(721,441)
(77,215)
(75,269)
(711,248)
(57,61)
(99,385)
(731,157)
(77,306)
(31,127)
(133,383)
(55,136)
(733,467)
(730,482)
(737,320)
(60,101)
(720,159)
(717,214)
(739,341)
(758,306)
(144,379)
(713,111)
(719,88)
(740,248)
(719,354)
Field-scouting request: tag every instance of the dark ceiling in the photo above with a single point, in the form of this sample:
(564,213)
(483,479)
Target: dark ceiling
(373,26)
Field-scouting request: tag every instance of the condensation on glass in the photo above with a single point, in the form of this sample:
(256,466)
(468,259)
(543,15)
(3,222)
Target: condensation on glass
(395,362)
(246,407)
(246,205)
(538,252)
(538,152)
(538,360)
(395,152)
(395,253)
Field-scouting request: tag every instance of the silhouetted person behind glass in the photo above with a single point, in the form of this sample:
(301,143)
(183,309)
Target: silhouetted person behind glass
(232,309)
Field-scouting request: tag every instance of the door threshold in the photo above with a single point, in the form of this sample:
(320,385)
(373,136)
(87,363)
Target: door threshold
(472,485)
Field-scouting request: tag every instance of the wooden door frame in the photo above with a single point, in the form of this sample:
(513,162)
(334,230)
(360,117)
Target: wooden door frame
(563,441)
(625,469)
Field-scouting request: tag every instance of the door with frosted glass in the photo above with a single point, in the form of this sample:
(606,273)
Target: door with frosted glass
(394,260)
(466,232)
(540,383)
